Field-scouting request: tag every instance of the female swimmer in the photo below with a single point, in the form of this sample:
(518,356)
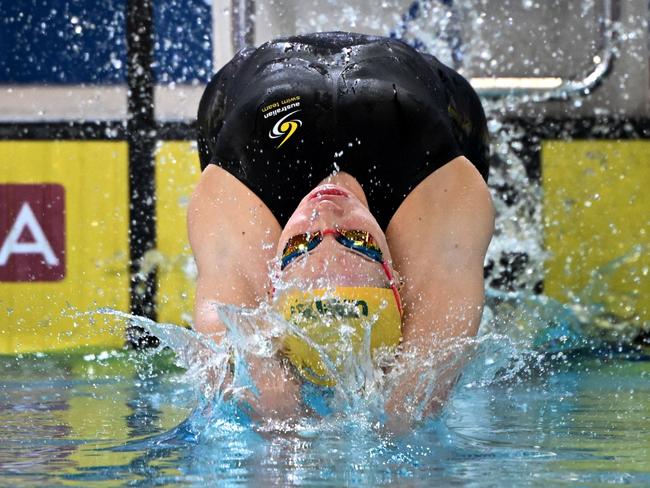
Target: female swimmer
(341,158)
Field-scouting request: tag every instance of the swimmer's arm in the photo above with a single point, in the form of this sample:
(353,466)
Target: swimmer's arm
(438,240)
(233,235)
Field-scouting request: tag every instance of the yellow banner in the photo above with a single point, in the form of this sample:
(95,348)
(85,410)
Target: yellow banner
(597,226)
(177,173)
(64,249)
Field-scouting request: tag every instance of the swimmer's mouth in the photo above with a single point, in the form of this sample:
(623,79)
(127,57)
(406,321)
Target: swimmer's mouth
(328,191)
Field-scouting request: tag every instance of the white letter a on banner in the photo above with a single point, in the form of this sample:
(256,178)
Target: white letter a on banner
(40,245)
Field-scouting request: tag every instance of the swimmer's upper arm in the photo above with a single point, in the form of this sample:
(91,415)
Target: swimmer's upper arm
(233,236)
(438,239)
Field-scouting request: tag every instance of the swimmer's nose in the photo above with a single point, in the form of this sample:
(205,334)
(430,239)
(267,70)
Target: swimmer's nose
(326,254)
(322,215)
(328,212)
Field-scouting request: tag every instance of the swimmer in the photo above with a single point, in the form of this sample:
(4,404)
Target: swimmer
(347,160)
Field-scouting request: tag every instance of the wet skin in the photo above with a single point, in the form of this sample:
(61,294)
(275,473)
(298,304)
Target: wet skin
(436,240)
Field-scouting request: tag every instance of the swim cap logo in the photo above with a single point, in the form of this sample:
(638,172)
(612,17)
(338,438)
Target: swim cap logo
(347,309)
(284,127)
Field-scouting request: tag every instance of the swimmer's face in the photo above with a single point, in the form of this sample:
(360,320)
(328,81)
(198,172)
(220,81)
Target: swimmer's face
(327,207)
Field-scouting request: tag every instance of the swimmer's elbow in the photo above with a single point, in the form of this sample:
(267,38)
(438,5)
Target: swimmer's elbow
(206,312)
(206,319)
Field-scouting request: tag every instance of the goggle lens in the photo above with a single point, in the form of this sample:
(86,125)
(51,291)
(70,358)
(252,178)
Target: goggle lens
(300,244)
(361,241)
(356,240)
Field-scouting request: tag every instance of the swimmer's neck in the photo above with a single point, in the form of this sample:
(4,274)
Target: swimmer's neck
(348,182)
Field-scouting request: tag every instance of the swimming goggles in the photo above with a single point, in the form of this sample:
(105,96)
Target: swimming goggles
(359,241)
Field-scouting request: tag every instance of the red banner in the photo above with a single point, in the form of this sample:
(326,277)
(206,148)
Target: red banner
(32,232)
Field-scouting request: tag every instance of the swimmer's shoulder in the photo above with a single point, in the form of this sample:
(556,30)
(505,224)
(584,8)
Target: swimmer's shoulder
(229,226)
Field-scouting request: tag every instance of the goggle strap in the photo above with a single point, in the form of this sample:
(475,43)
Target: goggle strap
(393,287)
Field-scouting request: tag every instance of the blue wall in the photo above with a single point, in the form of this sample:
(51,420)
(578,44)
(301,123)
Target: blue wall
(83,41)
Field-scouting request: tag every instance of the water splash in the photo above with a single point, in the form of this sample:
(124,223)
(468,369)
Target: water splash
(596,318)
(521,333)
(364,386)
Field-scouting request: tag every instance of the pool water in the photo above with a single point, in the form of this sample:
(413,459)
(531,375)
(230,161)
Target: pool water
(516,418)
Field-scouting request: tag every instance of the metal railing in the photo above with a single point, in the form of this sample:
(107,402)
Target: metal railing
(542,89)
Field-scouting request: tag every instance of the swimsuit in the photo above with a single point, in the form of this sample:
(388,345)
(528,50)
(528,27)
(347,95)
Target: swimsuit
(288,114)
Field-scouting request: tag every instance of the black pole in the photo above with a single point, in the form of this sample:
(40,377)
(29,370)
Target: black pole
(141,127)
